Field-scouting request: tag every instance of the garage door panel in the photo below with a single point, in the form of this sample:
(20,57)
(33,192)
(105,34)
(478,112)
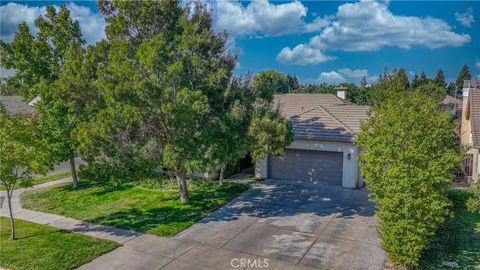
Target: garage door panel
(310,166)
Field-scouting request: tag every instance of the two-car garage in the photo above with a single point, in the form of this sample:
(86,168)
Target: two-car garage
(323,151)
(314,161)
(323,167)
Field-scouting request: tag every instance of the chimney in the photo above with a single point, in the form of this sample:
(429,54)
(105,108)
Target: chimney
(341,92)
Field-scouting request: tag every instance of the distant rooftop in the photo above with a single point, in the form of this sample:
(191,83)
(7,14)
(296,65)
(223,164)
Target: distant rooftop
(471,84)
(15,104)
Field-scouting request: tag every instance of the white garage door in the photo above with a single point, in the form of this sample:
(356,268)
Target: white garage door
(306,165)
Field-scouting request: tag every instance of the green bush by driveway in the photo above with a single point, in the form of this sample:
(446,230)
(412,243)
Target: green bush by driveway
(152,210)
(43,247)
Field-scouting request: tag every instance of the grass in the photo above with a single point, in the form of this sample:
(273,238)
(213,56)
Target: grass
(458,238)
(143,206)
(43,247)
(46,178)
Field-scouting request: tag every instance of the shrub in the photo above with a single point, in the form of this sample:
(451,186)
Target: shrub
(459,198)
(409,153)
(473,203)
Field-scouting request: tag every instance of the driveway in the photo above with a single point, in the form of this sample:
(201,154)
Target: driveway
(293,225)
(275,225)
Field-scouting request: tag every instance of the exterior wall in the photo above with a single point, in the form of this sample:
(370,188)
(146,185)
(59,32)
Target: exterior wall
(261,168)
(477,168)
(475,164)
(351,175)
(360,181)
(466,137)
(466,129)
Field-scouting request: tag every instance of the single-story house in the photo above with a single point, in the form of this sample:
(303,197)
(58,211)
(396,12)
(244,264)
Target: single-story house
(324,149)
(15,104)
(470,129)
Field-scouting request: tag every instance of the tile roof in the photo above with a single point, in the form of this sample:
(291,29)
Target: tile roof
(15,104)
(321,116)
(474,99)
(451,100)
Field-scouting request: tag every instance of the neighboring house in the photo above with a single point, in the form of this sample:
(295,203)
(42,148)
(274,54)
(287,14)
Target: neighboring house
(452,105)
(15,104)
(470,129)
(324,150)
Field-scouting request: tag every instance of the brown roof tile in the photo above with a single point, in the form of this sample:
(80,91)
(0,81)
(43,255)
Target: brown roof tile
(15,104)
(321,116)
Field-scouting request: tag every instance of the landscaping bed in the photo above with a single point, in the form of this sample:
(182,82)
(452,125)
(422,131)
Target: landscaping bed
(146,206)
(43,247)
(458,241)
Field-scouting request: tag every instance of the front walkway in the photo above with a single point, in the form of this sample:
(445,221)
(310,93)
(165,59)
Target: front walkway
(279,224)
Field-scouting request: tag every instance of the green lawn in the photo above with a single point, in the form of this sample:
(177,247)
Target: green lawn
(43,247)
(458,239)
(142,208)
(47,178)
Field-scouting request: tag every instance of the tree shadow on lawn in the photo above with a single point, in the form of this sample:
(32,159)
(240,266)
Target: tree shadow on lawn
(171,219)
(164,221)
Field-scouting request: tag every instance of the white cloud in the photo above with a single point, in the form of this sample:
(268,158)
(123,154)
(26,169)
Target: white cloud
(331,77)
(478,76)
(317,24)
(92,24)
(466,19)
(477,63)
(356,73)
(261,17)
(344,75)
(370,26)
(302,55)
(12,14)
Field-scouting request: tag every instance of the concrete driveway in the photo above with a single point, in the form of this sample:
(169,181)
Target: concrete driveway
(293,225)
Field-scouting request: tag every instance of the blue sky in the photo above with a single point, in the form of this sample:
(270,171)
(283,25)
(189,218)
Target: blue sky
(321,41)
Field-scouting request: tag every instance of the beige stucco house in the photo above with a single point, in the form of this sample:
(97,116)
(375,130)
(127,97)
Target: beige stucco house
(470,128)
(324,150)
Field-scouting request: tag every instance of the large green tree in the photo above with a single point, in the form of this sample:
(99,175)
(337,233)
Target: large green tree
(163,85)
(432,90)
(463,75)
(273,81)
(22,153)
(408,158)
(387,86)
(415,81)
(440,79)
(228,139)
(39,62)
(246,107)
(401,73)
(423,78)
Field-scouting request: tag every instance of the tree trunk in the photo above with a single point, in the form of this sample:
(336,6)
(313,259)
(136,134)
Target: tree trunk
(182,184)
(74,171)
(12,224)
(222,171)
